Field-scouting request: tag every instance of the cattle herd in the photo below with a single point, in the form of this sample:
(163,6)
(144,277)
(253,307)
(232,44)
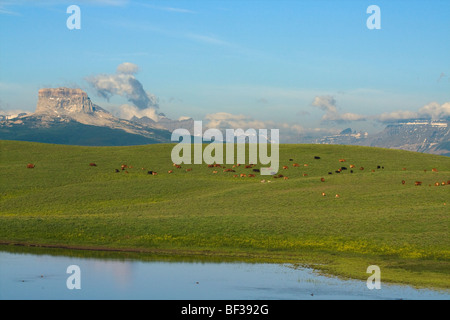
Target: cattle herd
(216,167)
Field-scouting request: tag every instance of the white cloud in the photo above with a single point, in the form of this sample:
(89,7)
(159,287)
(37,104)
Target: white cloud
(435,110)
(328,104)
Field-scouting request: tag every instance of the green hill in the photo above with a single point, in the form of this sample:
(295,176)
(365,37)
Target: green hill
(376,220)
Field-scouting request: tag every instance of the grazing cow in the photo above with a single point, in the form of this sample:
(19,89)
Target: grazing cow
(305,165)
(210,166)
(92,164)
(418,183)
(343,168)
(123,167)
(322,179)
(256,170)
(154,173)
(190,169)
(437,184)
(351,171)
(378,167)
(116,170)
(149,172)
(338,196)
(295,165)
(280,176)
(285,167)
(404,169)
(448,182)
(403,181)
(178,166)
(330,172)
(323,194)
(341,160)
(443,183)
(243,175)
(214,172)
(373,170)
(170,171)
(217,165)
(248,166)
(263,181)
(362,168)
(236,176)
(251,175)
(352,166)
(30,166)
(305,174)
(291,159)
(285,178)
(434,170)
(338,171)
(316,157)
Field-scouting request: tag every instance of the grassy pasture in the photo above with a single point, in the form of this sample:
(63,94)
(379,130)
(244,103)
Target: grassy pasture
(402,228)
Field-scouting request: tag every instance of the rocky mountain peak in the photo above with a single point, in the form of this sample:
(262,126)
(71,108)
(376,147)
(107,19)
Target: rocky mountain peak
(63,100)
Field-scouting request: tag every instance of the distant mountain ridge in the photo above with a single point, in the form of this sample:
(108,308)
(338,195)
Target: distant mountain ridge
(417,135)
(68,116)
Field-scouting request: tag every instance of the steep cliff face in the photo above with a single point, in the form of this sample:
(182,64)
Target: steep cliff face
(63,100)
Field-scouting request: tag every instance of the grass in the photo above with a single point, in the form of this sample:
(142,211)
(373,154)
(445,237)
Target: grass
(377,220)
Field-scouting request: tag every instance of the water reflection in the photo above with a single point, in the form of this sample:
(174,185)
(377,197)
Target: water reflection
(36,273)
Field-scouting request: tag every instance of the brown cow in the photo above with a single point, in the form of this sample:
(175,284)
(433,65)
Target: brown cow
(341,160)
(92,164)
(403,181)
(154,173)
(123,167)
(285,167)
(434,170)
(352,166)
(338,196)
(323,194)
(30,166)
(170,171)
(322,179)
(251,175)
(243,175)
(437,184)
(214,172)
(305,174)
(418,183)
(362,168)
(190,169)
(285,178)
(296,165)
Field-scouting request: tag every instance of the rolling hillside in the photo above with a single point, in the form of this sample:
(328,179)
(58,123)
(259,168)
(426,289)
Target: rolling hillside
(376,219)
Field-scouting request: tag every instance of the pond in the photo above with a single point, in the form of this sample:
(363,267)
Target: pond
(42,274)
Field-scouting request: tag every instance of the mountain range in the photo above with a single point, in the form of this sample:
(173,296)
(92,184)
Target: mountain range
(68,116)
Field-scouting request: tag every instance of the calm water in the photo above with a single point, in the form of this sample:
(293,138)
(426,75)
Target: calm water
(43,276)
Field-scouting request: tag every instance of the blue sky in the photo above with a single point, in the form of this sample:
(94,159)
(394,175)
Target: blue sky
(285,62)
